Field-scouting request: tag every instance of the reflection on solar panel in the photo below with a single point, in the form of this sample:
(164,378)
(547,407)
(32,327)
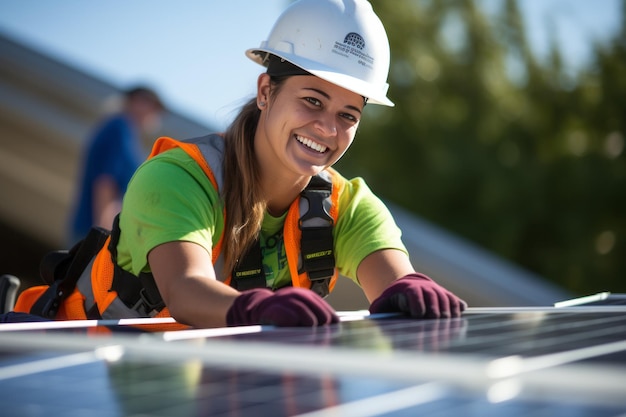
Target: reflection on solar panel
(491,362)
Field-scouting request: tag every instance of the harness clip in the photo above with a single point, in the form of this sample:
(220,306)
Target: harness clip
(147,308)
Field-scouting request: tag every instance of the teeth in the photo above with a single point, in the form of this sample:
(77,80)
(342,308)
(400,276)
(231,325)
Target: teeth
(313,145)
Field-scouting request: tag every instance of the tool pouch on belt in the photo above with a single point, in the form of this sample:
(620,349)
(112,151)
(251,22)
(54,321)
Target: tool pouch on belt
(61,270)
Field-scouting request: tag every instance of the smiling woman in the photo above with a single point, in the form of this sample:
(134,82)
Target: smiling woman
(253,225)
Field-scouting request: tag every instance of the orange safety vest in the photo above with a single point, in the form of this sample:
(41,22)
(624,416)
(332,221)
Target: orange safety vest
(94,287)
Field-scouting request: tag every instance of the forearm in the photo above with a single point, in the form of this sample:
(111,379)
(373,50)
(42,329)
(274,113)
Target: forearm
(200,302)
(379,269)
(186,280)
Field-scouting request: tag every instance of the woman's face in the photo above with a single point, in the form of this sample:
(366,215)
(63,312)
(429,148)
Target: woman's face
(307,125)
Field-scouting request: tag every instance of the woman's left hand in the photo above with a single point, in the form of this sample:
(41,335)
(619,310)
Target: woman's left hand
(418,296)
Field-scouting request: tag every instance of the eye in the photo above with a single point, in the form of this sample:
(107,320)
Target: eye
(313,101)
(349,117)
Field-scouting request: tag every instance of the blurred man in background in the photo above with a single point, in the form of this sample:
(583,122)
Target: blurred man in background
(111,157)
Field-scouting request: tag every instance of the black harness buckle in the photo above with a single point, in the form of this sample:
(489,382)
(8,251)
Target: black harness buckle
(146,307)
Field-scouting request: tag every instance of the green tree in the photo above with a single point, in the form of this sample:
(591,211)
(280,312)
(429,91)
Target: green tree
(517,155)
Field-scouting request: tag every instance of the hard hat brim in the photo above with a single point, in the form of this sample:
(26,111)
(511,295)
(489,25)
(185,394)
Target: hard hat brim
(326,73)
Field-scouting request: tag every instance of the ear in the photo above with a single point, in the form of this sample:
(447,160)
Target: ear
(262,91)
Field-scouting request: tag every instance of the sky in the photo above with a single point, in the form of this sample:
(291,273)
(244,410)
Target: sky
(192,51)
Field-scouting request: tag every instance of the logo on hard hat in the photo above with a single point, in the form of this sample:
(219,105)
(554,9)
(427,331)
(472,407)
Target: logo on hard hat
(354,39)
(352,46)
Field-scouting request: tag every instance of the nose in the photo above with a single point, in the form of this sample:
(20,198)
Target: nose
(326,124)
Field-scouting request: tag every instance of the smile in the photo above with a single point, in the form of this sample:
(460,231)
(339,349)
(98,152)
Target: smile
(310,144)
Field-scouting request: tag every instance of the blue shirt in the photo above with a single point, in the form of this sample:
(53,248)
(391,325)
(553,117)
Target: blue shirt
(115,150)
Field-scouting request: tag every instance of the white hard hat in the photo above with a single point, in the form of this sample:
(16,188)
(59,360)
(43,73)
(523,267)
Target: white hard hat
(340,41)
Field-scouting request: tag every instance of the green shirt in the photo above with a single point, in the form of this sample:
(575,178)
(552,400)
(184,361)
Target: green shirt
(171,199)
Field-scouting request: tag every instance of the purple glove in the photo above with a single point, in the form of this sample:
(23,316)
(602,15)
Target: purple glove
(418,296)
(290,306)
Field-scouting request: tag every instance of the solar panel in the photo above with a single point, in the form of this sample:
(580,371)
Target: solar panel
(568,361)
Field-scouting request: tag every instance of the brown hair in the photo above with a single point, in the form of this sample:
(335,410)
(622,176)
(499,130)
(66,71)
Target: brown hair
(243,197)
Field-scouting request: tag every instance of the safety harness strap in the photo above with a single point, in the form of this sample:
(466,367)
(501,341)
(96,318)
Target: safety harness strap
(316,224)
(248,273)
(64,280)
(138,292)
(316,243)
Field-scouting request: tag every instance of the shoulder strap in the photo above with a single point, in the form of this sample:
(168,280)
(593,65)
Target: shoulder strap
(248,273)
(313,251)
(316,241)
